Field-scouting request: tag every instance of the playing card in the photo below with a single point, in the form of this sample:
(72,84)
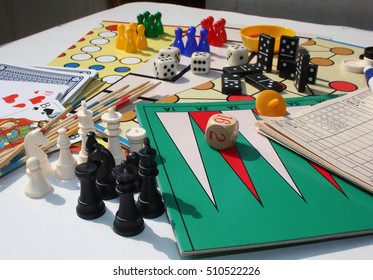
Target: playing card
(75,82)
(17,96)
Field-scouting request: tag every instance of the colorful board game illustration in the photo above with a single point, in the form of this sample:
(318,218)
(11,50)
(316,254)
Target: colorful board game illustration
(256,194)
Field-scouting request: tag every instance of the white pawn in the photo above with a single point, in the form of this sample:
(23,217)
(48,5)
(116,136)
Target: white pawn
(136,136)
(65,167)
(85,125)
(112,131)
(37,186)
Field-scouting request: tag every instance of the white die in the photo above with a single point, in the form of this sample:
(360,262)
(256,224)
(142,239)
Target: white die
(237,55)
(165,68)
(172,52)
(200,62)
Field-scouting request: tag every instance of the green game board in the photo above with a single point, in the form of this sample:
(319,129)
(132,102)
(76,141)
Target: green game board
(255,195)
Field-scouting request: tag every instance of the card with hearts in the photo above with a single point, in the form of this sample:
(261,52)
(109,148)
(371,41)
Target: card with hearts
(17,96)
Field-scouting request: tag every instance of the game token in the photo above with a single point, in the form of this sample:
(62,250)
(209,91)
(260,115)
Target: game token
(270,103)
(353,65)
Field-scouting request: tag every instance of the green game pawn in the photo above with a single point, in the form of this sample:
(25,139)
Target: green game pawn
(151,30)
(158,23)
(140,19)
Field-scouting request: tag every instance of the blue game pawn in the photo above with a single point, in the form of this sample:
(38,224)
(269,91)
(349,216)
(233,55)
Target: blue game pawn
(191,44)
(178,43)
(203,45)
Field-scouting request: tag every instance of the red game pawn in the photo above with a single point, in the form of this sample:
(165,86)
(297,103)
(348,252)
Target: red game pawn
(217,40)
(210,28)
(223,33)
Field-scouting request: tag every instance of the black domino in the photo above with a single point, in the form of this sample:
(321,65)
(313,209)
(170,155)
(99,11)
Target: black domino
(262,82)
(266,50)
(301,69)
(287,69)
(231,84)
(243,70)
(312,74)
(288,49)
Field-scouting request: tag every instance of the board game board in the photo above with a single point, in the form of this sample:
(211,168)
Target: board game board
(96,50)
(254,195)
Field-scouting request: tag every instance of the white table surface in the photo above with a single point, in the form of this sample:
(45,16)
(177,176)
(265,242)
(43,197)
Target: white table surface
(49,228)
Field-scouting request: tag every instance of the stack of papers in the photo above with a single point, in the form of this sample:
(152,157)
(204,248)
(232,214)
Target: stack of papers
(337,134)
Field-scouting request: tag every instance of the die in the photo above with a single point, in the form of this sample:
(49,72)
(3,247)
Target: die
(200,62)
(237,55)
(165,68)
(173,52)
(221,131)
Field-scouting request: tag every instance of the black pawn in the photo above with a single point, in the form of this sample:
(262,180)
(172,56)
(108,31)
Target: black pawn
(150,203)
(133,159)
(128,220)
(90,205)
(105,182)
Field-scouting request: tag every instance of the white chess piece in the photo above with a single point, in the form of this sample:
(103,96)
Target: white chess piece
(37,186)
(65,166)
(112,131)
(85,125)
(136,136)
(32,143)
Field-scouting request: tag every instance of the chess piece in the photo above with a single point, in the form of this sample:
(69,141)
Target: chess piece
(85,125)
(221,131)
(37,186)
(90,147)
(133,160)
(105,182)
(66,163)
(136,136)
(128,220)
(33,140)
(112,131)
(150,203)
(90,205)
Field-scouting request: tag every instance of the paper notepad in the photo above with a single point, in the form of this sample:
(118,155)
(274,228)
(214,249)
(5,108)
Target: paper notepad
(337,134)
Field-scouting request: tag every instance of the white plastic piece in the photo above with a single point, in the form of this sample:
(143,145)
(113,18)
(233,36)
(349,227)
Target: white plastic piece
(112,131)
(85,125)
(37,186)
(66,163)
(33,141)
(136,136)
(353,65)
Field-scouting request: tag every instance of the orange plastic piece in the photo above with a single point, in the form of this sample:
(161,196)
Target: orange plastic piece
(270,103)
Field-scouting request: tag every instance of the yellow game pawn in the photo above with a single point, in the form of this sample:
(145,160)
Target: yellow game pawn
(130,44)
(133,26)
(270,103)
(121,38)
(141,41)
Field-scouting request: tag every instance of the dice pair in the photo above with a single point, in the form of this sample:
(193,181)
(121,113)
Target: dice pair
(165,64)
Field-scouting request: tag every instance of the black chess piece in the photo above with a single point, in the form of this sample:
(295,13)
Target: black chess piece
(128,220)
(90,147)
(105,182)
(150,203)
(133,159)
(90,205)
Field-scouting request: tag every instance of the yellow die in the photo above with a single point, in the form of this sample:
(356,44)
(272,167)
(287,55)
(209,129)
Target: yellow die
(221,131)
